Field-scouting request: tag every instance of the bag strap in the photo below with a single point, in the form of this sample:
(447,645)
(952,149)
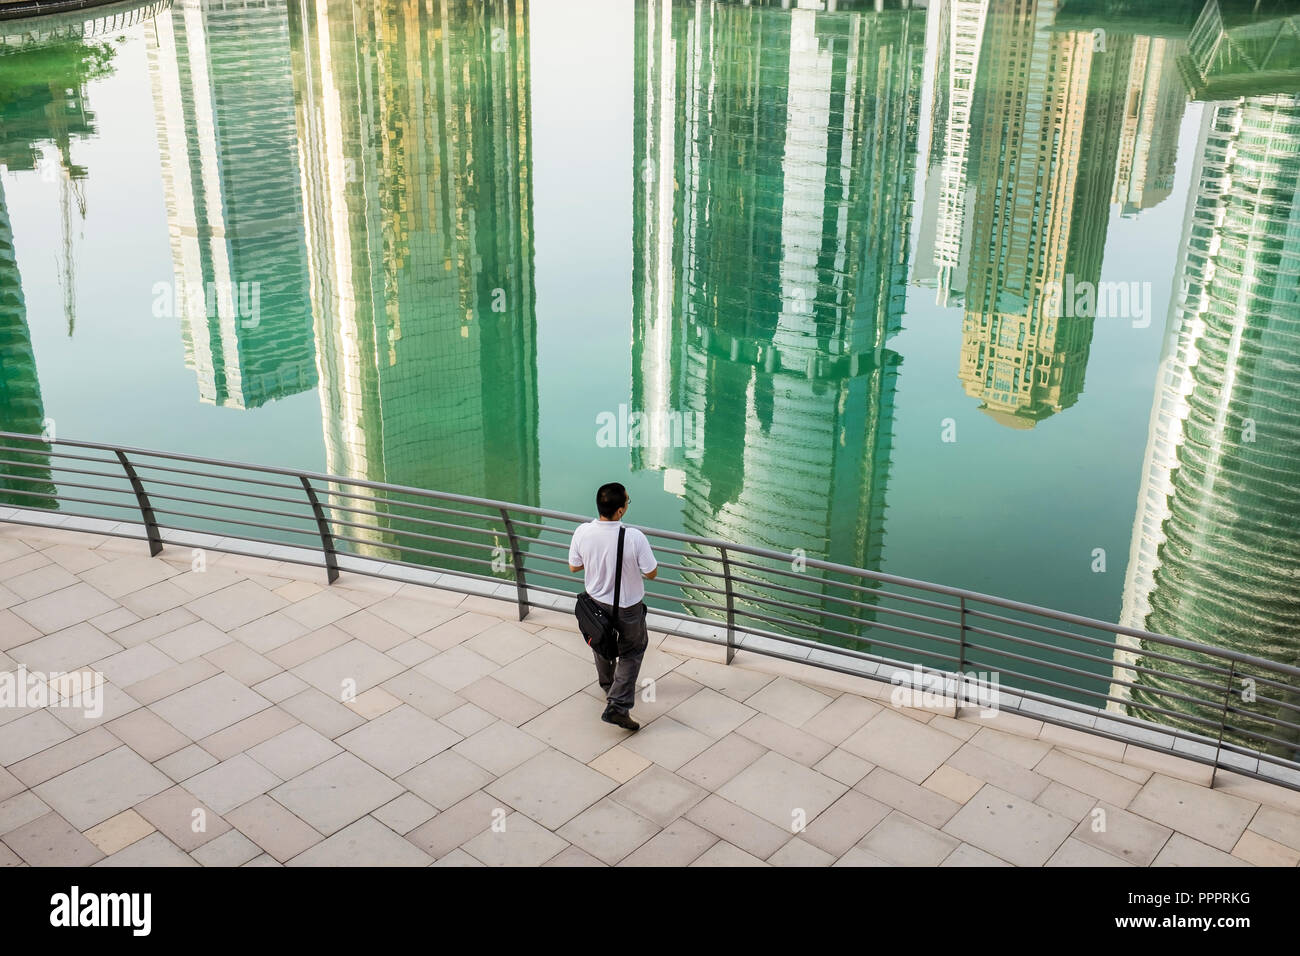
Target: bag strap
(618,570)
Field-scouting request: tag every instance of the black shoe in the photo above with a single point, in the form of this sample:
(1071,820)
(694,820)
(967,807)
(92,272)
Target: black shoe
(621,718)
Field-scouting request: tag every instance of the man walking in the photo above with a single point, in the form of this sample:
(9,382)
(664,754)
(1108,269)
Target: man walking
(594,551)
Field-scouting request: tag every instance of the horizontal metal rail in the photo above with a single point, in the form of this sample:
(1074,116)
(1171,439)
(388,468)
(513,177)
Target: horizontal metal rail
(1118,682)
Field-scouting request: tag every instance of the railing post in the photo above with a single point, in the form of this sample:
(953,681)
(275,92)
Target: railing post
(146,509)
(326,539)
(1223,719)
(961,656)
(521,585)
(731,607)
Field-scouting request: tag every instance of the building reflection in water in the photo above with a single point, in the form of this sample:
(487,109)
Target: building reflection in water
(1215,553)
(416,173)
(774,154)
(43,97)
(224,105)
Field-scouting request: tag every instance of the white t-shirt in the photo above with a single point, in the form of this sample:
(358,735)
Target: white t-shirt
(594,548)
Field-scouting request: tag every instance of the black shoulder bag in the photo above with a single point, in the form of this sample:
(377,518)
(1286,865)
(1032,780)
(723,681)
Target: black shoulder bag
(598,626)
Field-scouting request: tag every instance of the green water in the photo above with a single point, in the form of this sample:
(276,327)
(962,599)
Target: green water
(847,256)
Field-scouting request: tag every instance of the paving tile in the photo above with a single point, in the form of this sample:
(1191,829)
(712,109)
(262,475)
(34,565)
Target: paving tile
(725,854)
(148,734)
(902,745)
(232,848)
(922,803)
(155,599)
(248,733)
(781,791)
(467,719)
(1013,829)
(399,740)
(243,663)
(186,762)
(134,664)
(738,826)
(273,828)
(653,700)
(412,616)
(85,709)
(354,666)
(236,605)
(15,631)
(102,787)
(519,842)
(967,855)
(378,633)
(322,713)
(457,629)
(20,810)
(1184,851)
(1205,815)
(264,860)
(773,734)
(405,813)
(151,626)
(114,620)
(1261,851)
(1087,778)
(459,857)
(1077,853)
(500,747)
(840,718)
(294,751)
(367,842)
(844,823)
(678,844)
(620,764)
(119,831)
(788,701)
(1066,801)
(190,641)
(608,831)
(721,761)
(410,652)
(501,701)
(51,840)
(270,632)
(210,705)
(457,824)
(56,759)
(278,688)
(338,792)
(667,742)
(155,850)
(711,713)
(446,779)
(42,580)
(30,735)
(1124,835)
(548,675)
(1003,773)
(658,795)
(949,782)
(184,818)
(171,681)
(323,607)
(65,650)
(1021,750)
(903,841)
(120,576)
(551,788)
(231,783)
(573,856)
(502,643)
(798,853)
(426,696)
(574,727)
(1277,825)
(457,667)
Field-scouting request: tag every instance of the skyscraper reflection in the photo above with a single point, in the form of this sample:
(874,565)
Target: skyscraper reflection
(774,153)
(416,173)
(1216,543)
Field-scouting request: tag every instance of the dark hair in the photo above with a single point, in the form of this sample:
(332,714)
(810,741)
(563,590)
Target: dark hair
(609,498)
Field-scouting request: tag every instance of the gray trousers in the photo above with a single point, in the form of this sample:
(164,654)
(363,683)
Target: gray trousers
(618,677)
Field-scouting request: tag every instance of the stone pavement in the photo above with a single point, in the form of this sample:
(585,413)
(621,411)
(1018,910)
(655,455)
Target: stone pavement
(230,736)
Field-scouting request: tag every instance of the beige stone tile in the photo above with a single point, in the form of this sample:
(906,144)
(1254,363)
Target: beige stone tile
(659,795)
(294,751)
(788,701)
(574,727)
(400,740)
(186,762)
(518,842)
(1123,835)
(1024,751)
(548,675)
(724,854)
(781,791)
(458,824)
(231,783)
(236,605)
(51,840)
(844,823)
(266,634)
(860,857)
(171,681)
(319,609)
(678,844)
(119,831)
(182,817)
(66,649)
(1167,764)
(148,734)
(788,741)
(967,855)
(336,793)
(903,841)
(154,625)
(738,826)
(950,782)
(551,788)
(134,664)
(446,779)
(458,667)
(367,842)
(1261,851)
(29,735)
(1072,739)
(52,761)
(467,719)
(619,764)
(1205,815)
(415,617)
(405,813)
(1277,825)
(460,628)
(1184,851)
(243,663)
(232,848)
(667,742)
(736,682)
(991,768)
(712,713)
(322,713)
(843,766)
(273,828)
(377,632)
(902,745)
(280,687)
(350,668)
(201,710)
(373,703)
(1087,778)
(1066,801)
(1009,827)
(1075,852)
(608,831)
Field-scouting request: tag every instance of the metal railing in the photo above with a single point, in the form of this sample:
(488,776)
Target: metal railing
(1208,704)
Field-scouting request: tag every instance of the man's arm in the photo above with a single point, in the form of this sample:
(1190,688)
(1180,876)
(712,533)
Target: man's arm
(575,559)
(645,558)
